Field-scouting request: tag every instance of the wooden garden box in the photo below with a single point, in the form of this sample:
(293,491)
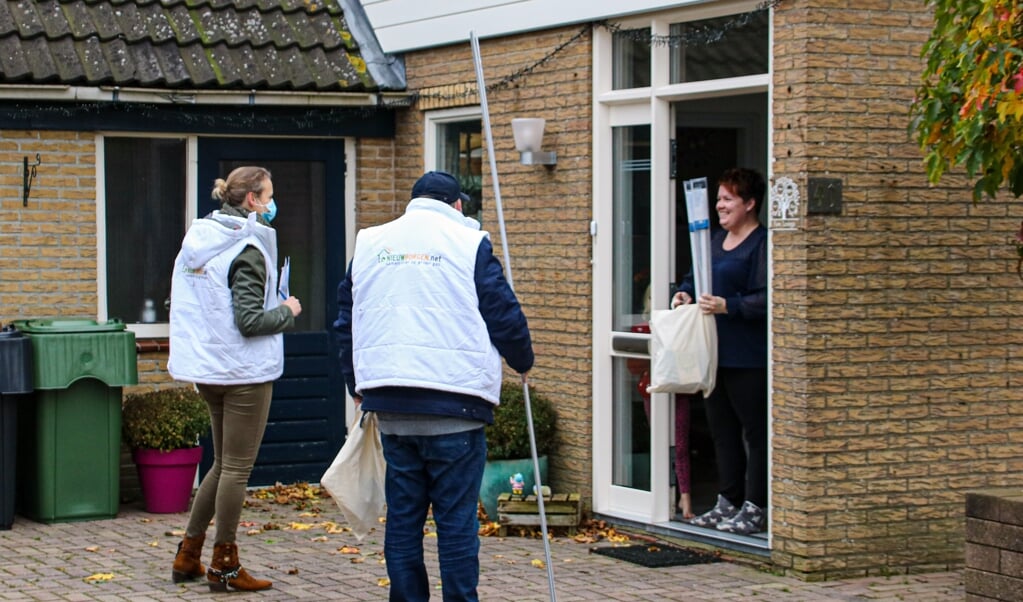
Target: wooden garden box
(562,510)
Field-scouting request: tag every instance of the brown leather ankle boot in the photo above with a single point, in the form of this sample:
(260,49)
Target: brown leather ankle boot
(226,572)
(187,565)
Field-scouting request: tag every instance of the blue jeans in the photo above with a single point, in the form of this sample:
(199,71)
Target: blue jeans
(445,471)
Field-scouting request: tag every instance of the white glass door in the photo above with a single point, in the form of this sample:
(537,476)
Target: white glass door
(663,112)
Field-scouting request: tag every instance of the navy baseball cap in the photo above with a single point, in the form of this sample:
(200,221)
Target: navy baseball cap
(439,185)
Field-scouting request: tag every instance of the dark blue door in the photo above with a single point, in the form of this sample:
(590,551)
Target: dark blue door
(307,424)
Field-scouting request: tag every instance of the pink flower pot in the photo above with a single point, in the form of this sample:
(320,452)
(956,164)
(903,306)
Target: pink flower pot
(167,477)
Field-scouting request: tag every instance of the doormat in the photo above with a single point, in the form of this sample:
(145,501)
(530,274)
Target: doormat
(657,556)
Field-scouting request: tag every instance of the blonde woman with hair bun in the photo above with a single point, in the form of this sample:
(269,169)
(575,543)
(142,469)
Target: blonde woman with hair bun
(226,323)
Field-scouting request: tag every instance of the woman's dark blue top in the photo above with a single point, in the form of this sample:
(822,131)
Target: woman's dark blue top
(740,276)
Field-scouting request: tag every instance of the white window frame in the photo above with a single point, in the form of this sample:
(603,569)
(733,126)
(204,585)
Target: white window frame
(434,119)
(142,331)
(649,105)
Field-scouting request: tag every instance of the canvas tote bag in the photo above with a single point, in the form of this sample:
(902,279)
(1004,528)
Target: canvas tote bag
(683,350)
(356,477)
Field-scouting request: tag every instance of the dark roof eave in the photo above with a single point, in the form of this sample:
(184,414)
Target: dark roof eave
(326,120)
(160,95)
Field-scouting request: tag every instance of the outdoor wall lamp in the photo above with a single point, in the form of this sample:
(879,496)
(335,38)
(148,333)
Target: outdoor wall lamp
(528,136)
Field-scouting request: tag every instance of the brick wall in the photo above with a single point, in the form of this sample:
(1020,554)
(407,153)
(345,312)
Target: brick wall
(152,367)
(994,550)
(896,381)
(547,213)
(48,249)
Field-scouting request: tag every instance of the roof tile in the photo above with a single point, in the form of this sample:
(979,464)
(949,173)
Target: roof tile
(12,60)
(100,20)
(154,24)
(92,60)
(235,28)
(147,68)
(7,22)
(26,19)
(42,69)
(53,21)
(79,18)
(201,73)
(119,61)
(66,58)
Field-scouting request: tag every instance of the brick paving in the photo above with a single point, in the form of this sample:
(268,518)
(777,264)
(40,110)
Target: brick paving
(304,558)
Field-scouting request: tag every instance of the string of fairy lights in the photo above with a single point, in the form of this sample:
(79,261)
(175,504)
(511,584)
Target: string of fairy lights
(689,37)
(692,35)
(501,84)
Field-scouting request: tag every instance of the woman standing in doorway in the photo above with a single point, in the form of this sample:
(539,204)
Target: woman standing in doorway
(737,408)
(226,321)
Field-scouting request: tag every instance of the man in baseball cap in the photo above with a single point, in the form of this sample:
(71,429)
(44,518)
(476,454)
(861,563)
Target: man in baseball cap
(425,321)
(439,185)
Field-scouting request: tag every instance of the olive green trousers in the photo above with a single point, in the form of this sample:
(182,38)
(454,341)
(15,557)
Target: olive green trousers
(238,414)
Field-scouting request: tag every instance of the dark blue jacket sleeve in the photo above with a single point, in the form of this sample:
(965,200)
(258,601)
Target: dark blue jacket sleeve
(501,311)
(343,329)
(686,287)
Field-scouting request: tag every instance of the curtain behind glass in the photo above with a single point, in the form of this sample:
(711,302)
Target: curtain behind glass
(145,222)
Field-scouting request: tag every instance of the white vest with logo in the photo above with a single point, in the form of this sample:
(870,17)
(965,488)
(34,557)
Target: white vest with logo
(415,317)
(206,346)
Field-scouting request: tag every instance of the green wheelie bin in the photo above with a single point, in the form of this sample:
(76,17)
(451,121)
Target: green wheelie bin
(70,426)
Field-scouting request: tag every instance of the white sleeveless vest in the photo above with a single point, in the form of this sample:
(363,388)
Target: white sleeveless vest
(415,320)
(205,344)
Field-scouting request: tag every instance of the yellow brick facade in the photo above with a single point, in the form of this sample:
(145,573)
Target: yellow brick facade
(896,364)
(48,248)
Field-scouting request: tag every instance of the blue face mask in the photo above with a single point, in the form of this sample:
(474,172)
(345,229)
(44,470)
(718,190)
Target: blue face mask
(271,211)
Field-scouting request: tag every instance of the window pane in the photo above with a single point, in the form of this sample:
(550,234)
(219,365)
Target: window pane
(730,46)
(631,63)
(631,180)
(631,432)
(460,153)
(145,221)
(631,279)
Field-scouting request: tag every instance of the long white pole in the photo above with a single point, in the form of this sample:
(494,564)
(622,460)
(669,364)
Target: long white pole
(490,154)
(482,90)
